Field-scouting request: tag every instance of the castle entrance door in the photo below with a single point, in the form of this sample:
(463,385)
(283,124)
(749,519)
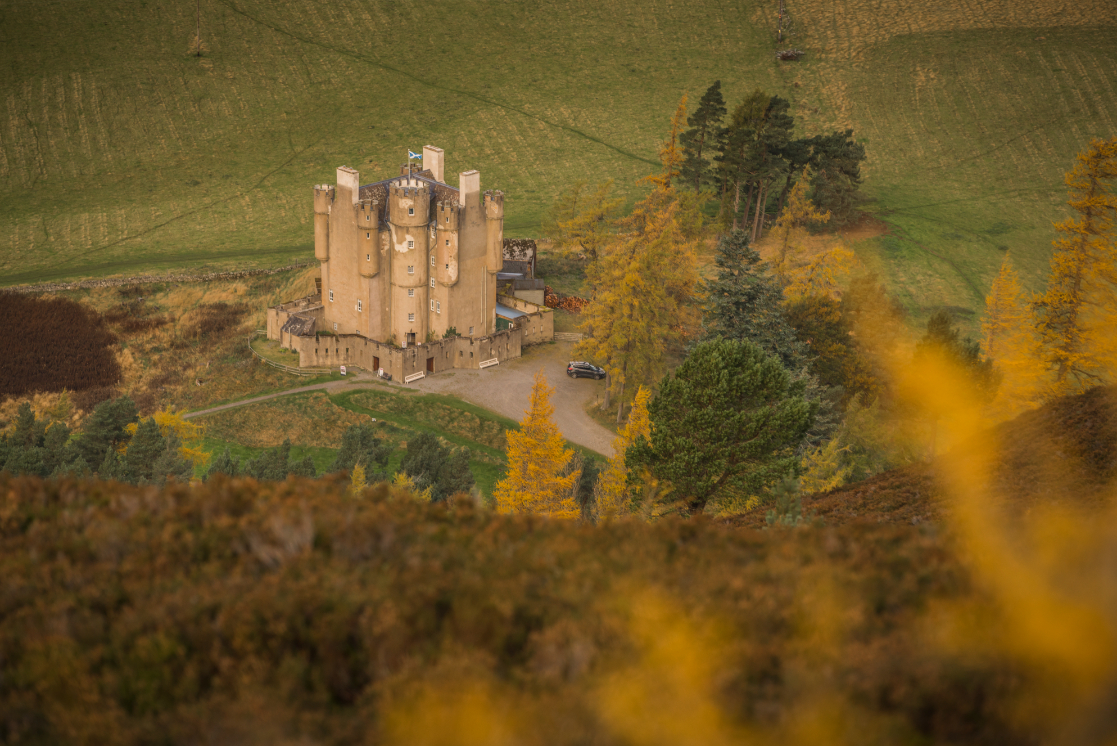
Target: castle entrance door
(430,365)
(376,363)
(410,338)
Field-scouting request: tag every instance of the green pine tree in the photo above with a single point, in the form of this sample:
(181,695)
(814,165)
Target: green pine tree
(224,464)
(701,140)
(725,426)
(145,448)
(361,445)
(105,429)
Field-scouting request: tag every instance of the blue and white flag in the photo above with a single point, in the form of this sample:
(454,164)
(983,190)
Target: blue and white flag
(413,155)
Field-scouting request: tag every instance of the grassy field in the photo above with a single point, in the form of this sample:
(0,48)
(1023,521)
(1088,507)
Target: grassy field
(120,151)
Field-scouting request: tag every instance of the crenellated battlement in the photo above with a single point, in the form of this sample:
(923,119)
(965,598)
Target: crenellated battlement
(447,216)
(323,198)
(494,204)
(368,212)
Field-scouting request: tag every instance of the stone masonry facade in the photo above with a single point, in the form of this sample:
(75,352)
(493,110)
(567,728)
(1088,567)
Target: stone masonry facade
(403,261)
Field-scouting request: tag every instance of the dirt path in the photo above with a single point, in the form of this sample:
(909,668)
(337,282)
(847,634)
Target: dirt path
(505,388)
(502,388)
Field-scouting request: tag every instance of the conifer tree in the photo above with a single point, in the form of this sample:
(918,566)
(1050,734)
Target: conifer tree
(145,447)
(360,444)
(724,426)
(1008,338)
(743,303)
(105,429)
(792,222)
(1077,314)
(611,497)
(224,464)
(535,481)
(171,464)
(584,222)
(700,141)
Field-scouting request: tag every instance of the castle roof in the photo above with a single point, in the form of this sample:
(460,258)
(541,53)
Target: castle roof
(439,192)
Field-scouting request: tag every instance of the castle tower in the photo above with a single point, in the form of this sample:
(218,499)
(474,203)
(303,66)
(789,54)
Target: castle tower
(368,230)
(409,246)
(494,230)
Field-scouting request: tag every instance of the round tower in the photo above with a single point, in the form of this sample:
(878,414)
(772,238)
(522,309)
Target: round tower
(408,220)
(447,216)
(323,199)
(494,230)
(368,231)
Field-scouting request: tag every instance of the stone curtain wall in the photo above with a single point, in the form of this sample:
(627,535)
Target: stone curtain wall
(539,326)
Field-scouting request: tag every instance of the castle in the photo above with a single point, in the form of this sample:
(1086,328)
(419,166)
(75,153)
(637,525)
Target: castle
(404,262)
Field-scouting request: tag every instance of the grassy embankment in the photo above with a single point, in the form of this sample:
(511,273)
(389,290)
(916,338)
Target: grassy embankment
(122,152)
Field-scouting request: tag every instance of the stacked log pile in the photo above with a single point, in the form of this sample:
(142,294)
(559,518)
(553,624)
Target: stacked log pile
(571,303)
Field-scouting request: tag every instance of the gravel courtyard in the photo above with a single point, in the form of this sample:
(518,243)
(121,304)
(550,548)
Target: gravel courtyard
(505,389)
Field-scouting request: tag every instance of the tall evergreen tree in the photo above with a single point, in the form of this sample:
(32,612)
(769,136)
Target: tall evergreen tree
(724,426)
(272,465)
(171,464)
(700,141)
(144,449)
(743,303)
(105,429)
(836,166)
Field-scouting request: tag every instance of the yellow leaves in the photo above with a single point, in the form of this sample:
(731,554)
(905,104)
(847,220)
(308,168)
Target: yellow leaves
(823,468)
(1076,315)
(611,492)
(189,434)
(357,479)
(404,481)
(1008,337)
(536,480)
(670,154)
(822,275)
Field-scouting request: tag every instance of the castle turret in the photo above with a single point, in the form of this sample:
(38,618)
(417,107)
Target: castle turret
(494,230)
(446,218)
(368,230)
(408,220)
(323,198)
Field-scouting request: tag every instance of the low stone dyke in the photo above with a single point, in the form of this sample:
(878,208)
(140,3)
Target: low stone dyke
(112,282)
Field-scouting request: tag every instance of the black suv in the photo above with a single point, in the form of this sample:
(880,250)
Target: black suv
(584,370)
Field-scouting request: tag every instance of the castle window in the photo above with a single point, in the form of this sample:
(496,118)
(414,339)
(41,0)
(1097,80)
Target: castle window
(447,242)
(368,217)
(368,235)
(471,334)
(331,296)
(368,257)
(410,317)
(359,307)
(447,266)
(410,271)
(432,305)
(410,243)
(335,326)
(438,307)
(432,282)
(432,260)
(447,218)
(410,210)
(411,292)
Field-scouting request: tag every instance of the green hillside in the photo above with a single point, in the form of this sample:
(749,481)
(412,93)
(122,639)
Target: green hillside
(120,151)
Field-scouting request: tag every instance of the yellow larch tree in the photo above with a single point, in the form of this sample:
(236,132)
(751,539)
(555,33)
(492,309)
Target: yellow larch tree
(611,492)
(791,225)
(644,281)
(1008,338)
(1077,314)
(537,478)
(189,434)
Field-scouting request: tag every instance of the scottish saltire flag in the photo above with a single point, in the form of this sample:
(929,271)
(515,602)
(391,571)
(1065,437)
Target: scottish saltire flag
(413,155)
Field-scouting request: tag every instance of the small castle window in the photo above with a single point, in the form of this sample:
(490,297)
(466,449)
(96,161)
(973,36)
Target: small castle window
(432,260)
(410,317)
(335,326)
(359,307)
(410,243)
(432,282)
(438,307)
(432,305)
(447,266)
(368,257)
(447,218)
(411,292)
(447,242)
(410,271)
(368,217)
(331,296)
(368,234)
(410,210)
(471,334)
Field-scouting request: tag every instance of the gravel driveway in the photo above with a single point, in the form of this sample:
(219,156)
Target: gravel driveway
(505,388)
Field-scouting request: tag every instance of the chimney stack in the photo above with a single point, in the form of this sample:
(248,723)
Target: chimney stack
(433,160)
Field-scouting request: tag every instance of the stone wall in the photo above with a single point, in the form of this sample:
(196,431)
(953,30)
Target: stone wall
(354,350)
(113,282)
(539,324)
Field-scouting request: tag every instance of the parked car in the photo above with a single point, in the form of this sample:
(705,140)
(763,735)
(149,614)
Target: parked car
(578,369)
